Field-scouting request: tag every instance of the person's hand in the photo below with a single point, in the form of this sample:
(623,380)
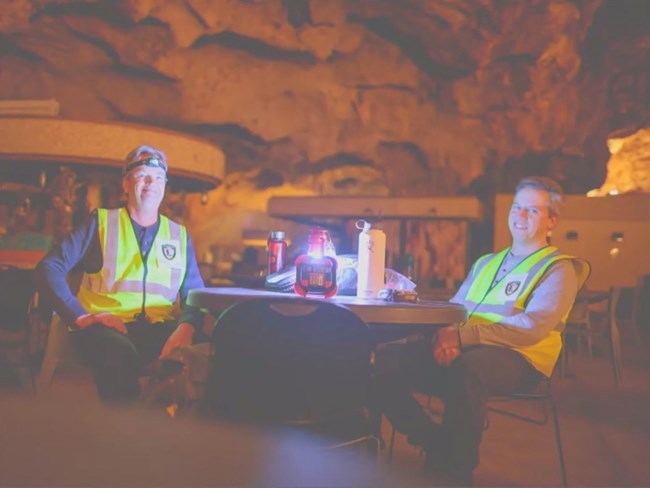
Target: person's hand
(447,337)
(445,356)
(182,336)
(106,319)
(446,345)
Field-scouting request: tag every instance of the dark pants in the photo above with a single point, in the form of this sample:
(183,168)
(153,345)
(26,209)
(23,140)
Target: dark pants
(117,360)
(463,387)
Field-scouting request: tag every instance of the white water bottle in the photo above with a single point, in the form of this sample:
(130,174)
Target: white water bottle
(372,259)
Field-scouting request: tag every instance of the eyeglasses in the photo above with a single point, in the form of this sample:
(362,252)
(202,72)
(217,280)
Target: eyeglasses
(141,175)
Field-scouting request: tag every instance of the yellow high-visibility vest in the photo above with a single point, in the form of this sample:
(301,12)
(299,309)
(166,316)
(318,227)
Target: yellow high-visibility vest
(510,295)
(120,286)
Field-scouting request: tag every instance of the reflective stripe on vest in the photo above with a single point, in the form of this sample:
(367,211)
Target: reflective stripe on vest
(492,306)
(118,286)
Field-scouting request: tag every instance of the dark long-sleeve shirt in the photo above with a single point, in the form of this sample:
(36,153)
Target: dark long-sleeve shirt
(81,251)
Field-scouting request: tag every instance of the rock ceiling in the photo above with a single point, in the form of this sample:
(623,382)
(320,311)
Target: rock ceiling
(409,97)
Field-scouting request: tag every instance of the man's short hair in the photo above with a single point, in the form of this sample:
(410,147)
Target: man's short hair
(145,156)
(548,185)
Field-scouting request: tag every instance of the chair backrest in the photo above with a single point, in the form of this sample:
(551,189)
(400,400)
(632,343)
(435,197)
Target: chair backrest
(277,360)
(579,310)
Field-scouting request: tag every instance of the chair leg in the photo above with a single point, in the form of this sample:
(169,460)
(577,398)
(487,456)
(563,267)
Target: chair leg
(563,362)
(590,341)
(616,364)
(391,444)
(29,339)
(635,313)
(32,379)
(48,368)
(57,348)
(558,441)
(374,448)
(614,334)
(615,353)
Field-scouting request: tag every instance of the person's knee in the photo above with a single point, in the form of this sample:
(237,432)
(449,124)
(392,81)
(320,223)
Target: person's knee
(463,368)
(479,363)
(123,359)
(108,349)
(464,379)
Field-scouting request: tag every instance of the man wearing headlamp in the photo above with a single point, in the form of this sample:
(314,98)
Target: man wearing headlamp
(137,265)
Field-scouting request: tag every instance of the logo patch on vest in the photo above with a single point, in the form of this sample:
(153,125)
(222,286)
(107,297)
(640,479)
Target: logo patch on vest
(168,252)
(512,287)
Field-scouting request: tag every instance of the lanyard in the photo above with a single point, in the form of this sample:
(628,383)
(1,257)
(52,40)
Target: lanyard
(495,282)
(142,315)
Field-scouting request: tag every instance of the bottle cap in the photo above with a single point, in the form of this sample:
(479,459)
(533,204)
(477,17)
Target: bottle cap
(277,235)
(366,225)
(362,224)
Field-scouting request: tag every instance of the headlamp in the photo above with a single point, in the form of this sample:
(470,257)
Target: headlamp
(150,162)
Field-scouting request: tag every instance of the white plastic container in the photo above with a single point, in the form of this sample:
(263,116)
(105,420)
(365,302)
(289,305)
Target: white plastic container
(372,259)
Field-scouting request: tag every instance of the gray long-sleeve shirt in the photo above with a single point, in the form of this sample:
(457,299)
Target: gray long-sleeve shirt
(81,250)
(549,301)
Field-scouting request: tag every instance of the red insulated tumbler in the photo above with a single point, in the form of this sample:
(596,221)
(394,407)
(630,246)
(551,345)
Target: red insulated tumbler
(277,246)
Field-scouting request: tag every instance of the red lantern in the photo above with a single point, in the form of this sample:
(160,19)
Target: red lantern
(316,270)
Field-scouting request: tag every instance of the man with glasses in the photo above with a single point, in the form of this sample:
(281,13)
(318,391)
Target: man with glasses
(137,266)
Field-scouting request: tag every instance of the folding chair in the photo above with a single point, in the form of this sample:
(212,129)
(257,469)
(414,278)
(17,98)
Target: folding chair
(59,352)
(541,394)
(293,362)
(598,325)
